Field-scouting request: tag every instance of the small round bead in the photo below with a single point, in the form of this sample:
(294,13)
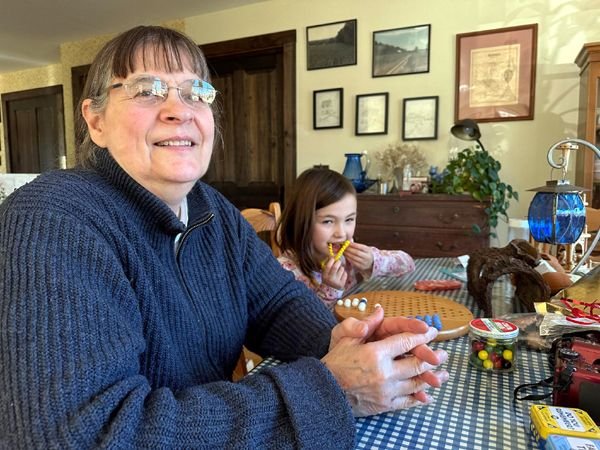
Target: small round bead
(340,302)
(355,302)
(362,306)
(347,303)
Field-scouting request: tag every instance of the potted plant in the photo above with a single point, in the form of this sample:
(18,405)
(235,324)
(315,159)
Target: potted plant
(476,172)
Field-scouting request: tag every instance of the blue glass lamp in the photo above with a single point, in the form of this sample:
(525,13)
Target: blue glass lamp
(557,212)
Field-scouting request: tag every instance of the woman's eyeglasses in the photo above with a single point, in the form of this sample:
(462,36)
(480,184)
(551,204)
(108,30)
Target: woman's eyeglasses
(152,91)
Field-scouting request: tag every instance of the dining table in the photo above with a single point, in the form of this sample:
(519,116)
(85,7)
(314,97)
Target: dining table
(474,409)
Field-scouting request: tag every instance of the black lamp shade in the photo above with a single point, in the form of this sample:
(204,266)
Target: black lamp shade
(466,129)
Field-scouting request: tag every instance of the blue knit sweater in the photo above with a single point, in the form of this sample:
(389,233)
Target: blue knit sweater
(111,338)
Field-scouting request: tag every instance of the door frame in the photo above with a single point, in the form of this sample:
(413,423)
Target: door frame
(285,41)
(23,95)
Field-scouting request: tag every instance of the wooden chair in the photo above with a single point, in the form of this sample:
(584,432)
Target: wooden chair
(261,220)
(265,220)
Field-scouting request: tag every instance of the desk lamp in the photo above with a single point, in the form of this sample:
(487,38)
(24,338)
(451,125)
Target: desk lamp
(467,130)
(557,213)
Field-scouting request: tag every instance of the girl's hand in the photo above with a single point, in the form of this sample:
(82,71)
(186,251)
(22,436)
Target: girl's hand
(334,274)
(361,256)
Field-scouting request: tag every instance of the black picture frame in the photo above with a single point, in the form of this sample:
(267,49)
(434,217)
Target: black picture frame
(420,118)
(372,114)
(401,51)
(328,108)
(331,45)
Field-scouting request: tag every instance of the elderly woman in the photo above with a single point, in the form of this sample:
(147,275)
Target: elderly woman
(128,287)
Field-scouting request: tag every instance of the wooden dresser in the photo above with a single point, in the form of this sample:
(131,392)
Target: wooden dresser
(423,225)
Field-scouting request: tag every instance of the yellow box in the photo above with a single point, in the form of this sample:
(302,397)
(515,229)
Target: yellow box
(549,420)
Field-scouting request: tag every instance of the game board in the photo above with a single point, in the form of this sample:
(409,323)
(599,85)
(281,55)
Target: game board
(454,316)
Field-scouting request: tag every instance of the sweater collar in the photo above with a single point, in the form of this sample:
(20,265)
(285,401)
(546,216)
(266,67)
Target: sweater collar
(152,208)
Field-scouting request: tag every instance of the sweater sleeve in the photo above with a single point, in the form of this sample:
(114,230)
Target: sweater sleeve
(71,344)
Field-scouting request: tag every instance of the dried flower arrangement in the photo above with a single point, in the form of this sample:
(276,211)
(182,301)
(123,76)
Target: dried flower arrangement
(397,155)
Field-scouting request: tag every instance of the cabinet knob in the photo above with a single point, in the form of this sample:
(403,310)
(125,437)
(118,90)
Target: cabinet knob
(396,209)
(440,245)
(445,219)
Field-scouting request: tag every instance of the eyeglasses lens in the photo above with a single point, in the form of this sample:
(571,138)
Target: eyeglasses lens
(148,91)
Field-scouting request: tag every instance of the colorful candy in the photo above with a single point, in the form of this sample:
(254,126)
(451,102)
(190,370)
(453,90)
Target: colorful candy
(493,344)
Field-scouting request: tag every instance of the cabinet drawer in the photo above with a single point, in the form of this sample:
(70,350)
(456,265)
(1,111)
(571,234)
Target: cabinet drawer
(407,212)
(420,242)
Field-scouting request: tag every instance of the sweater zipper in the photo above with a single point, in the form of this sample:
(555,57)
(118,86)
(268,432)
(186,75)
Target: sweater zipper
(185,235)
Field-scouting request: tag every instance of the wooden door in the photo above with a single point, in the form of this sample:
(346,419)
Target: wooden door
(256,162)
(34,129)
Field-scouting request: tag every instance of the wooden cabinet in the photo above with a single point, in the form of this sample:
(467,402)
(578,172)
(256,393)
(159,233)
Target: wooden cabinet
(588,61)
(423,225)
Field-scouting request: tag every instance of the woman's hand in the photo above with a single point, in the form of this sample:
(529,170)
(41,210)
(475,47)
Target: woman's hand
(334,274)
(360,255)
(384,364)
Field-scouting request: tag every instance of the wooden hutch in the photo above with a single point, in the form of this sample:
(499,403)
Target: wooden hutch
(587,168)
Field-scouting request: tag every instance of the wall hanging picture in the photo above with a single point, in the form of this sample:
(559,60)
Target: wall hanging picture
(495,74)
(331,45)
(401,51)
(328,108)
(372,113)
(420,118)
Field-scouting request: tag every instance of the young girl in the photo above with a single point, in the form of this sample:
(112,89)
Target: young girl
(315,235)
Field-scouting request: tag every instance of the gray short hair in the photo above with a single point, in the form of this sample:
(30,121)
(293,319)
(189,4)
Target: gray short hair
(162,47)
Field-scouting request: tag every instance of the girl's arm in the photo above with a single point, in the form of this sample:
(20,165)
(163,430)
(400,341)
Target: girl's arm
(391,262)
(327,294)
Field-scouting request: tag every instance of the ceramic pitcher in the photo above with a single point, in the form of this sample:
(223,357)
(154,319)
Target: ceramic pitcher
(353,169)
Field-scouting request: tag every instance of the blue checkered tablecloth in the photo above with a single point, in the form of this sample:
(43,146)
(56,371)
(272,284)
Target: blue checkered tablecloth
(474,409)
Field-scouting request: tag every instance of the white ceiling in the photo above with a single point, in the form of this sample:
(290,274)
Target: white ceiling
(31,31)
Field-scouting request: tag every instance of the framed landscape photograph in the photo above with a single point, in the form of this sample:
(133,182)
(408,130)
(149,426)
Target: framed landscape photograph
(328,108)
(495,74)
(420,118)
(372,113)
(331,45)
(401,51)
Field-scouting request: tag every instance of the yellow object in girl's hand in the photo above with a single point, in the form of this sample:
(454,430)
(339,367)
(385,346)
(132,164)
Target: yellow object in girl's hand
(341,250)
(339,254)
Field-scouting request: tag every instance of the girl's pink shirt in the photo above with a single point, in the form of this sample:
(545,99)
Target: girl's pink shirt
(385,263)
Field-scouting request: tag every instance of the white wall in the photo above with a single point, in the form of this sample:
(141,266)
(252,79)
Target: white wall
(521,146)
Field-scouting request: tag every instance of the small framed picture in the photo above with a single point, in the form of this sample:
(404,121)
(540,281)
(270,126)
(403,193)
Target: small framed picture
(401,51)
(328,108)
(331,45)
(420,118)
(372,113)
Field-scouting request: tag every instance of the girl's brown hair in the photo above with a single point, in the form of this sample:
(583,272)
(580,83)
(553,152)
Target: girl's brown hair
(158,47)
(314,189)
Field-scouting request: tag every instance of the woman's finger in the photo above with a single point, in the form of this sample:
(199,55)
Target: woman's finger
(403,343)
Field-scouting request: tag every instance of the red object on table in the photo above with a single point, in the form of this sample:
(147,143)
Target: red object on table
(437,285)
